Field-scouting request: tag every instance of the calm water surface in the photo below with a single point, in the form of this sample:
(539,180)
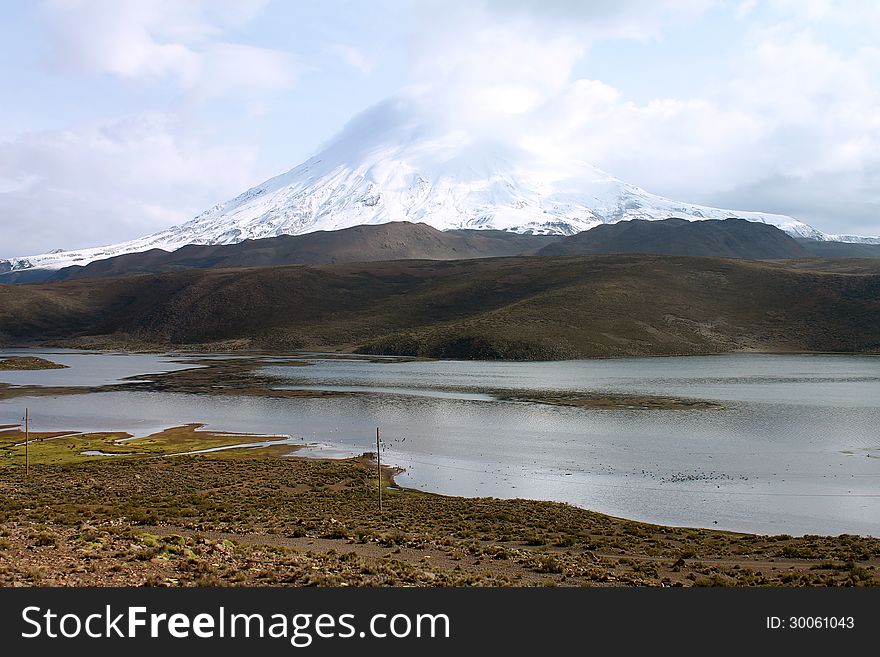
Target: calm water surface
(85,369)
(795,448)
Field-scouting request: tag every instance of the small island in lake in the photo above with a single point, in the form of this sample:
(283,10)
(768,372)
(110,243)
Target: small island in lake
(28,363)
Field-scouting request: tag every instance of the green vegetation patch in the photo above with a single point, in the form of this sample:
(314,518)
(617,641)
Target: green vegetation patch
(64,448)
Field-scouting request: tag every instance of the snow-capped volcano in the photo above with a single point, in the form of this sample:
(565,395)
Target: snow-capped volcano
(391,164)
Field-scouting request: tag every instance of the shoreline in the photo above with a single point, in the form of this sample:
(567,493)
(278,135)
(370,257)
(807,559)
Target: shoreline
(208,442)
(341,351)
(249,517)
(238,377)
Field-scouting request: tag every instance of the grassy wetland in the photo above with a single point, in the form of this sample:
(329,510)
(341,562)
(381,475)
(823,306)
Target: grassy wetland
(257,516)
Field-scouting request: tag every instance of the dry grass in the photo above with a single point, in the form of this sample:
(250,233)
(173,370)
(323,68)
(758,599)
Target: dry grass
(275,511)
(16,363)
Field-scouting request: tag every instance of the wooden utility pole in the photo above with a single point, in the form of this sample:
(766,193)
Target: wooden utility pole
(27,440)
(379,467)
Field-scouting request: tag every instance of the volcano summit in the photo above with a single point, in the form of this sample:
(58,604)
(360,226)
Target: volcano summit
(392,163)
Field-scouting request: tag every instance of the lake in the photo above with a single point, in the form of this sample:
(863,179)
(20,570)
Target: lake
(793,448)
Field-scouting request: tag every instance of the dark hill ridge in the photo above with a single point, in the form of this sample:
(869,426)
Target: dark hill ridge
(728,238)
(522,307)
(840,249)
(400,240)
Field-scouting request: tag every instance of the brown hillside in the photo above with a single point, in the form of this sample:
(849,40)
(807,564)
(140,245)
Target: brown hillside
(525,307)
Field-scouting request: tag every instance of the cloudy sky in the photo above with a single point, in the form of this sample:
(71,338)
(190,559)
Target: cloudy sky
(123,117)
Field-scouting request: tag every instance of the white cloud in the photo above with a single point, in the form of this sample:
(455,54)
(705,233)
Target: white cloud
(629,19)
(180,40)
(122,178)
(354,57)
(745,7)
(231,68)
(795,107)
(104,184)
(530,43)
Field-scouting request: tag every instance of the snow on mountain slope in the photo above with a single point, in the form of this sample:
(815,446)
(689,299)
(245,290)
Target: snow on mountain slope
(390,164)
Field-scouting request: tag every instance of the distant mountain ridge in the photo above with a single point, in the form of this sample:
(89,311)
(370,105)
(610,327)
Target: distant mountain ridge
(394,162)
(391,241)
(840,249)
(728,238)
